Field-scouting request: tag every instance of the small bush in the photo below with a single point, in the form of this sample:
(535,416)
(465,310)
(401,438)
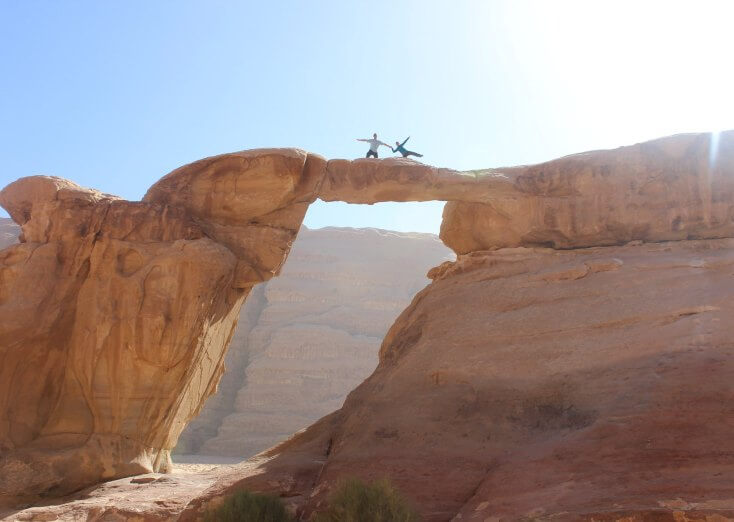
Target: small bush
(378,501)
(244,506)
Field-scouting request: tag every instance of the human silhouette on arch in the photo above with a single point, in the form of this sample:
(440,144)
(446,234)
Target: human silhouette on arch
(402,150)
(374,144)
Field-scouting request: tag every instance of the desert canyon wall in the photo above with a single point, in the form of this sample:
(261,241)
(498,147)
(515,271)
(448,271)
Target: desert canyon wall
(573,362)
(308,337)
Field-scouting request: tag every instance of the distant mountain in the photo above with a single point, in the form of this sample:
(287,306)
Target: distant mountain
(9,232)
(308,337)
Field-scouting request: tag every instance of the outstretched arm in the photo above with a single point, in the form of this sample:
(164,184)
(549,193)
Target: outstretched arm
(362,139)
(385,144)
(406,141)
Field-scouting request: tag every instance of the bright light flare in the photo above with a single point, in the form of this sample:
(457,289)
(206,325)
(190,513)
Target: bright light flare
(630,69)
(713,149)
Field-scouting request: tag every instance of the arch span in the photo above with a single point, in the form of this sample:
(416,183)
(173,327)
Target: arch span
(115,315)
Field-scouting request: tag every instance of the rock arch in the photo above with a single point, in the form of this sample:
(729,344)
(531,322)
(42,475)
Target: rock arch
(115,315)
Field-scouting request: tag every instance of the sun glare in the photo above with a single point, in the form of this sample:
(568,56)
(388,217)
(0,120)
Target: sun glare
(658,67)
(713,149)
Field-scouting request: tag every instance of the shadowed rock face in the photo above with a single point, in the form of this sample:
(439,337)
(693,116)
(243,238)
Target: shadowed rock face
(115,316)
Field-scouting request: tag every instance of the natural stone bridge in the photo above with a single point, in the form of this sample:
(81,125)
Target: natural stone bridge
(115,315)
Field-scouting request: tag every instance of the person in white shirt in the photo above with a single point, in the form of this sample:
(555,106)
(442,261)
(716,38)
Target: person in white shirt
(374,144)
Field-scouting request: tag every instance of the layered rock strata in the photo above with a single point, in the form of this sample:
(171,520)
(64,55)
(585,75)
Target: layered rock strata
(115,315)
(9,232)
(310,336)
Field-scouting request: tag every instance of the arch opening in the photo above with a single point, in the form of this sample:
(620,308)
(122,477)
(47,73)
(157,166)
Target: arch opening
(409,216)
(308,337)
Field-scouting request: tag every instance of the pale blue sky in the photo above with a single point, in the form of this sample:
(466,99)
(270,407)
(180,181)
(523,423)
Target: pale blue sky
(115,94)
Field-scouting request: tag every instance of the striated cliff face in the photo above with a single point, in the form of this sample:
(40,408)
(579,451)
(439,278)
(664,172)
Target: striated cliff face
(310,336)
(522,383)
(9,232)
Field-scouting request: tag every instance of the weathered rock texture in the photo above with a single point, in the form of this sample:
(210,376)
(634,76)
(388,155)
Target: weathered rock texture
(536,384)
(114,315)
(310,336)
(152,497)
(114,318)
(669,189)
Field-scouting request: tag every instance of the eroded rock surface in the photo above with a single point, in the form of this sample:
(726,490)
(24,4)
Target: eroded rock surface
(115,316)
(535,384)
(310,336)
(113,319)
(153,497)
(673,188)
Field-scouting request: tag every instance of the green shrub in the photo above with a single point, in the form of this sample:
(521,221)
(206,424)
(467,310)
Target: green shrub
(378,501)
(244,506)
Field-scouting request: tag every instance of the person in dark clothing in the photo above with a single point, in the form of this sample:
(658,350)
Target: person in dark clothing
(402,150)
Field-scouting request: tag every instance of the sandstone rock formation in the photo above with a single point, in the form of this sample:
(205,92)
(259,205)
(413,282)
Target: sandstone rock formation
(115,315)
(114,318)
(536,384)
(152,497)
(310,336)
(543,384)
(668,189)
